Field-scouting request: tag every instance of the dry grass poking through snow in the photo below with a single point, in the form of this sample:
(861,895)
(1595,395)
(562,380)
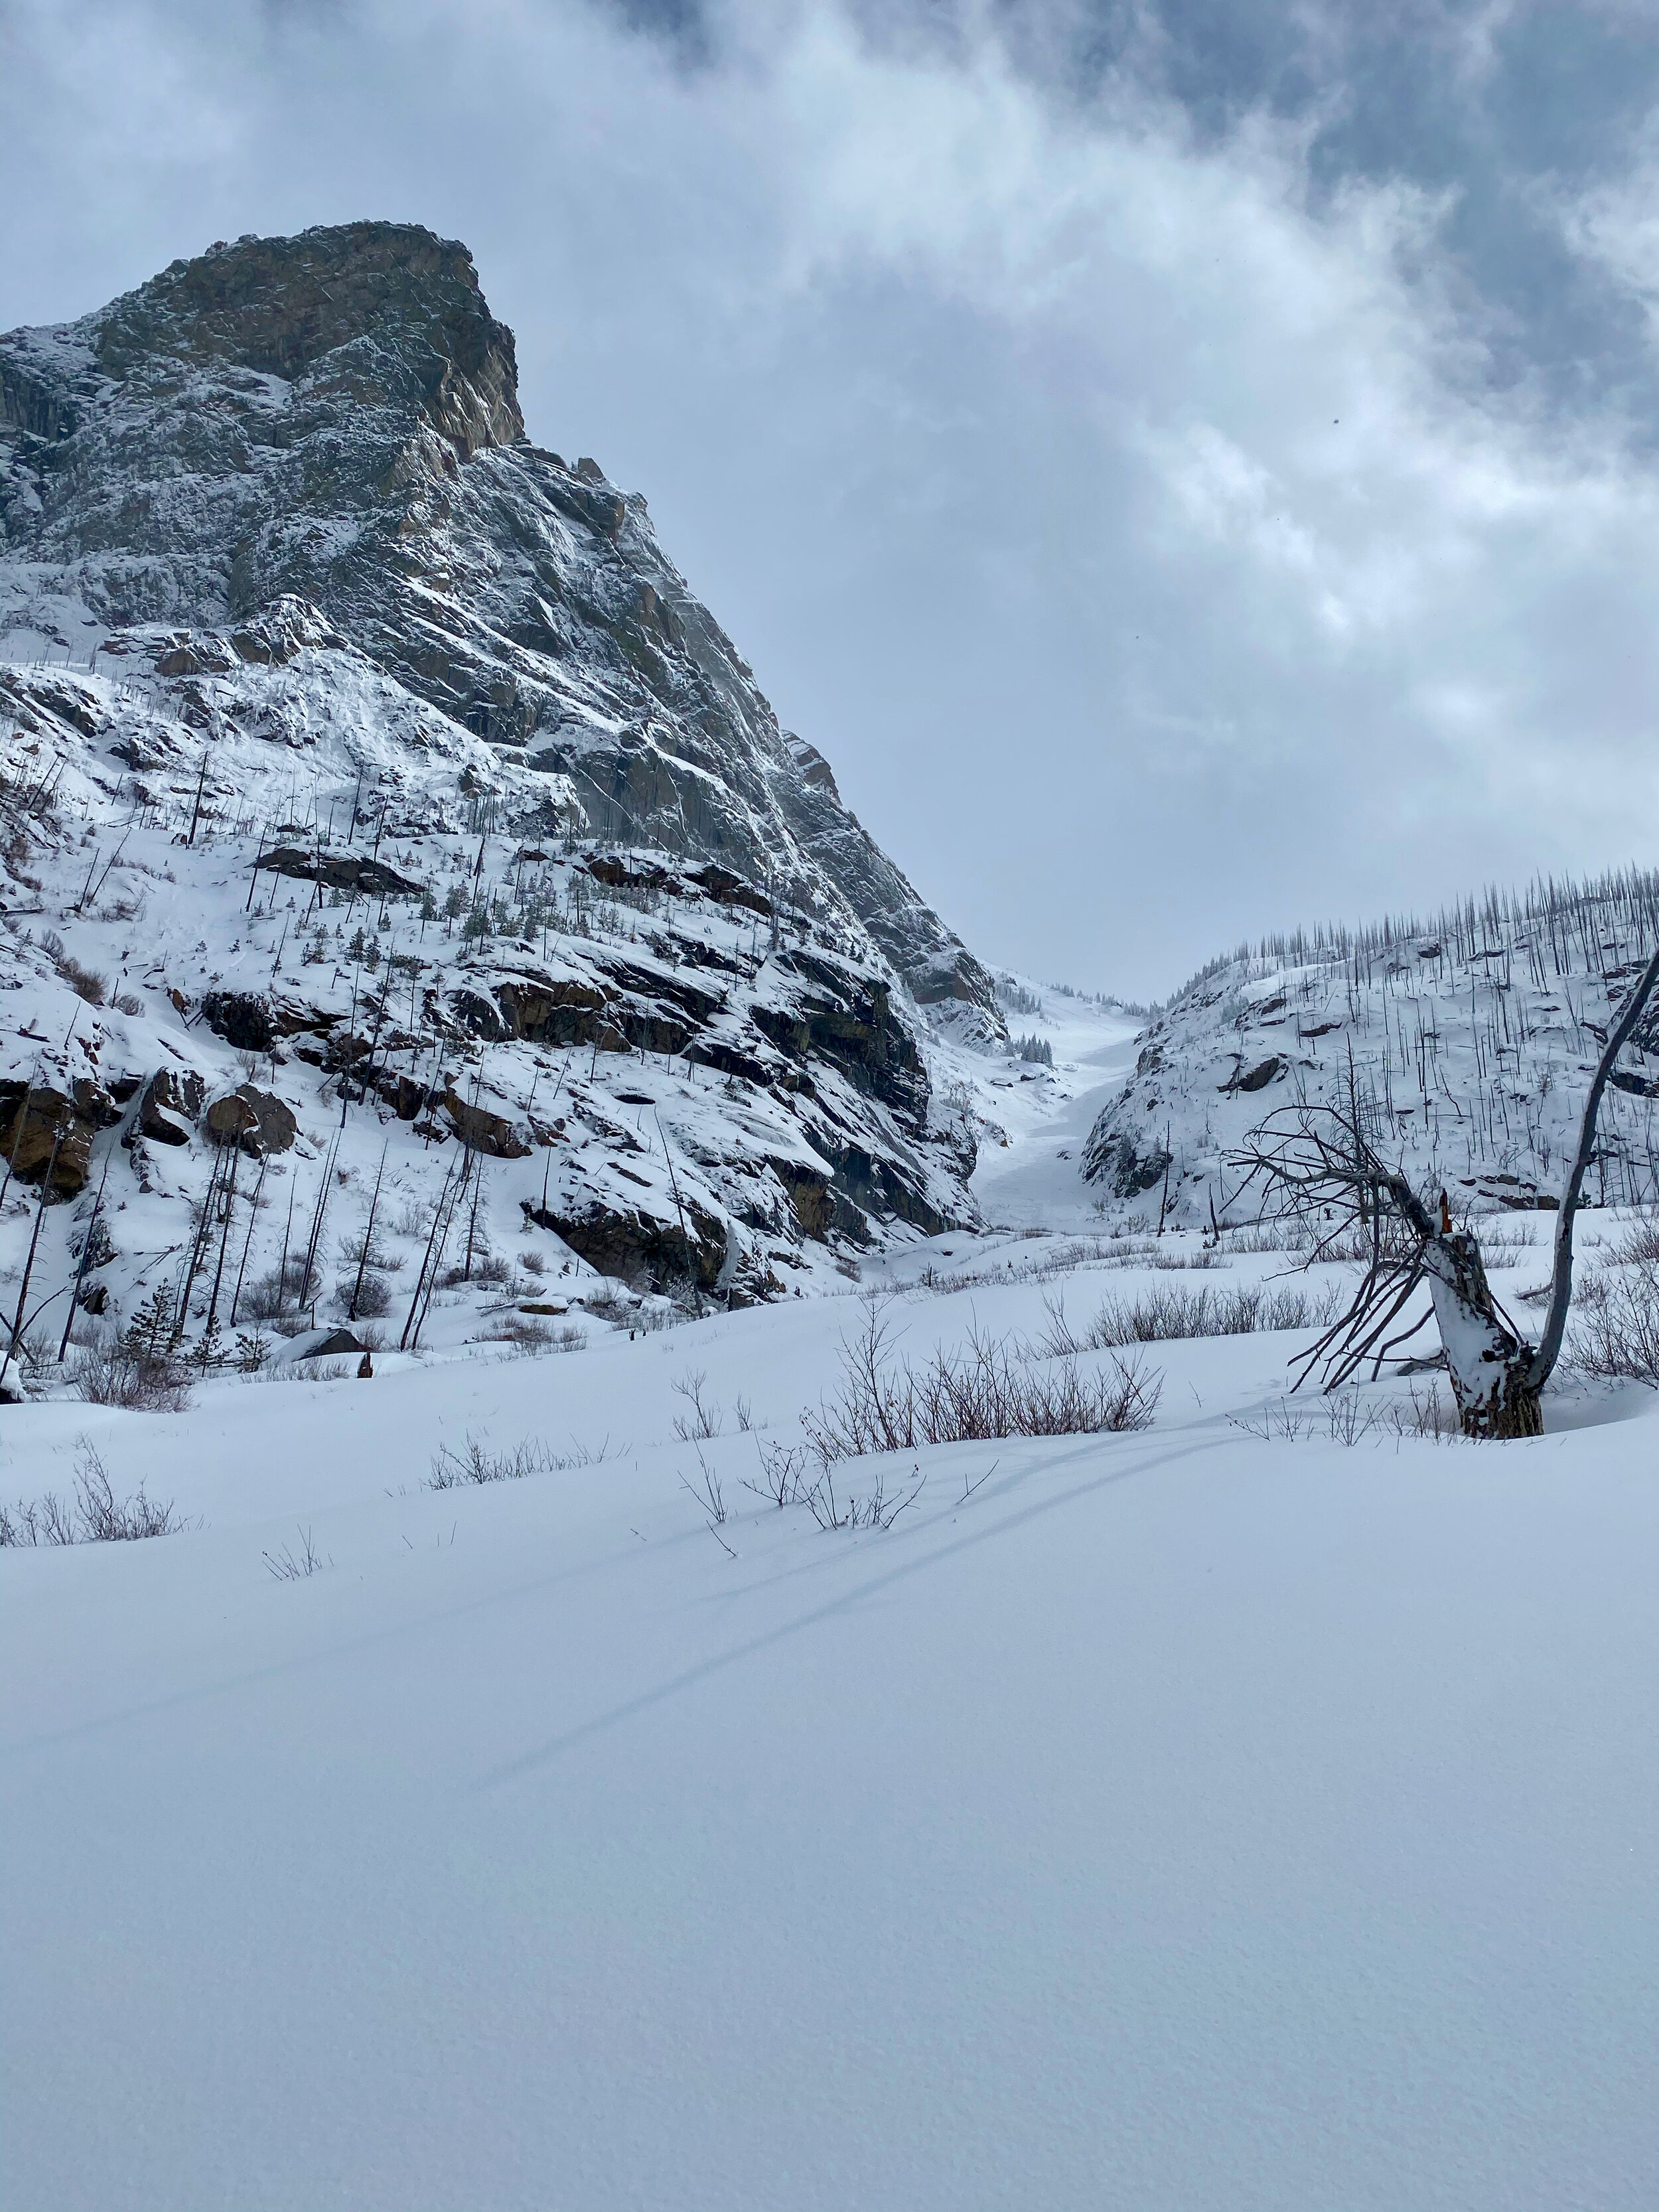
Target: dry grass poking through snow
(475,1463)
(1347,1419)
(93,1515)
(1069,1255)
(989,1387)
(1175,1310)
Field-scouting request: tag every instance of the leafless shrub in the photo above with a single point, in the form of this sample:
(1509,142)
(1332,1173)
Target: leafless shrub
(95,1515)
(130,907)
(783,1471)
(85,982)
(32,1521)
(112,1373)
(532,1261)
(1614,1335)
(81,981)
(1639,1245)
(1168,1258)
(1501,1232)
(35,1354)
(990,1387)
(261,1299)
(704,1418)
(708,1492)
(379,1255)
(608,1304)
(1172,1312)
(1284,1236)
(475,1463)
(291,1566)
(648,1318)
(373,1295)
(877,1508)
(107,1519)
(314,1371)
(1073,1255)
(126,1003)
(1289,1235)
(526,1332)
(1505,1241)
(285,1290)
(1041,1265)
(1344,1418)
(1427,1413)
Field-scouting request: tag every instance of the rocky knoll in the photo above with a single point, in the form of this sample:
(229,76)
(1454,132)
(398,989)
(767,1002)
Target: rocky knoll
(1465,1042)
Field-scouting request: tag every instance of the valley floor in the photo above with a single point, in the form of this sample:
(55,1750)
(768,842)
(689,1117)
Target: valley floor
(1181,1818)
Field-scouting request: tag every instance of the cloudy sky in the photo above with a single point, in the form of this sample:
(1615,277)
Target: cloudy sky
(1191,466)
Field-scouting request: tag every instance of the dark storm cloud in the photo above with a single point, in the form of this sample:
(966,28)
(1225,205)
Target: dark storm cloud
(1187,467)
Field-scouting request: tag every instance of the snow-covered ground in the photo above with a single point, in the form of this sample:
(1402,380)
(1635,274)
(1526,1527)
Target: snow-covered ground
(1181,1818)
(1034,1180)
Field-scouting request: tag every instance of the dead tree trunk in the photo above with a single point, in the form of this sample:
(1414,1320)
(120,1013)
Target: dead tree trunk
(1489,1363)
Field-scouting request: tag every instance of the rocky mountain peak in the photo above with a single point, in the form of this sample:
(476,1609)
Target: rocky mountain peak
(331,420)
(384,309)
(377,797)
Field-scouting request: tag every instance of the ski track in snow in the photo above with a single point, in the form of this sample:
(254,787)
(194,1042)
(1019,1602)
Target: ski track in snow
(1173,1819)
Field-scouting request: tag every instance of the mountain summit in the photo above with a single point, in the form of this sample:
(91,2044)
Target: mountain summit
(377,801)
(333,419)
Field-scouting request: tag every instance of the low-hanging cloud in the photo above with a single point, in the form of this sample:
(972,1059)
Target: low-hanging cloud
(1148,519)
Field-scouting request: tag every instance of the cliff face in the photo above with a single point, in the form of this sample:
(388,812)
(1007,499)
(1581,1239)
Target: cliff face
(376,800)
(333,418)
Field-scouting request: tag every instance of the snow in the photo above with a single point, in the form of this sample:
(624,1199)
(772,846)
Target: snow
(1035,1181)
(1154,1820)
(1241,1812)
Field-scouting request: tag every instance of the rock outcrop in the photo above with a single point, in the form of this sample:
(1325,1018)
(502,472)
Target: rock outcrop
(43,1132)
(257,1120)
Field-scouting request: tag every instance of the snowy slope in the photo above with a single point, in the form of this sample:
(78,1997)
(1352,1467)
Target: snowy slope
(1035,1119)
(1472,1041)
(1165,1819)
(670,1080)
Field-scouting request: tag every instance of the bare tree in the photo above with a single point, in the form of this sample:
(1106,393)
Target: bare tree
(1319,1164)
